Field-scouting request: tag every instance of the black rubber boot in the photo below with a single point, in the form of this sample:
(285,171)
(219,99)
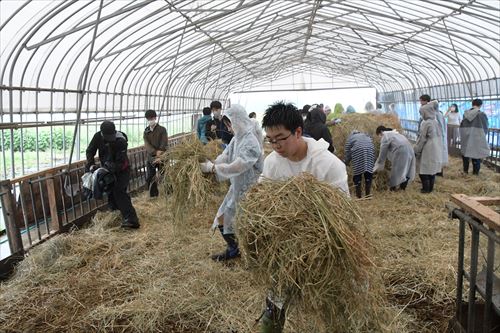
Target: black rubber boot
(368,187)
(425,184)
(153,189)
(358,190)
(232,251)
(476,165)
(431,183)
(131,223)
(465,162)
(273,319)
(403,185)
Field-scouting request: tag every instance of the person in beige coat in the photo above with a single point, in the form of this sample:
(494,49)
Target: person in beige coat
(428,150)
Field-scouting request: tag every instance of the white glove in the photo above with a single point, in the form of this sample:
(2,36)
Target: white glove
(207,167)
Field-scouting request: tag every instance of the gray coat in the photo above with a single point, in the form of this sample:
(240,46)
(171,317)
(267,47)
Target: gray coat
(473,130)
(433,108)
(428,147)
(396,148)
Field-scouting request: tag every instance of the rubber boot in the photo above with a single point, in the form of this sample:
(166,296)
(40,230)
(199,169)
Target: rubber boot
(131,222)
(232,251)
(476,165)
(465,162)
(425,184)
(431,183)
(368,187)
(273,319)
(358,190)
(153,189)
(403,185)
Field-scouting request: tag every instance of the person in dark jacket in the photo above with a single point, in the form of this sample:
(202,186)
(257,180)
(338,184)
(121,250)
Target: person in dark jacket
(315,127)
(112,148)
(221,129)
(156,143)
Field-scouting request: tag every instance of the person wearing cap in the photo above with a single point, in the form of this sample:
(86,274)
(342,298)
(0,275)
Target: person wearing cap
(112,148)
(156,143)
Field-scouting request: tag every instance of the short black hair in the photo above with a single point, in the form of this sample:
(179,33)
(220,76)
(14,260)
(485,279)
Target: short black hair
(252,115)
(150,114)
(381,129)
(426,98)
(207,111)
(477,102)
(216,105)
(283,114)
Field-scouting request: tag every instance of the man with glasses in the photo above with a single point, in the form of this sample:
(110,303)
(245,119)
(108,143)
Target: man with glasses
(294,154)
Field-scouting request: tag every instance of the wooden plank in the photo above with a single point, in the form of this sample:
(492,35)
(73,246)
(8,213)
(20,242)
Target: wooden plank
(485,214)
(55,222)
(487,201)
(9,210)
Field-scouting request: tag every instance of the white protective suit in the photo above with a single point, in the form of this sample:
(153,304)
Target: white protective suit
(241,163)
(319,162)
(398,150)
(258,133)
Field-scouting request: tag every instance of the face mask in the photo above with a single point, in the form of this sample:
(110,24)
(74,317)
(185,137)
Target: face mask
(304,117)
(217,114)
(152,123)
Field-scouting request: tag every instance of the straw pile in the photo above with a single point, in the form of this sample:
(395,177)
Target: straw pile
(303,240)
(104,279)
(367,123)
(188,187)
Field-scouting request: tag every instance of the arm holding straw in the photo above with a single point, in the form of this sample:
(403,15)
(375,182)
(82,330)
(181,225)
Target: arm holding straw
(384,149)
(248,156)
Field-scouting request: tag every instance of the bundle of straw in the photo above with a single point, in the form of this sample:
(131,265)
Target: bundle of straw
(302,239)
(188,187)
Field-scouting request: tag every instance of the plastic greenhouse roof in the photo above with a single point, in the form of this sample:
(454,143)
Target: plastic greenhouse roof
(195,48)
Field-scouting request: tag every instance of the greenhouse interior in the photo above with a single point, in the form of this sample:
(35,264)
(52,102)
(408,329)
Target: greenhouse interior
(344,155)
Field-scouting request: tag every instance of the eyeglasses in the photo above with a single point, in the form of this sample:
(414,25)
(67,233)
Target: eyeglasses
(278,141)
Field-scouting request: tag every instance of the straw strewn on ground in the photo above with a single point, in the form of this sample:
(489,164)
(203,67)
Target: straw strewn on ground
(154,280)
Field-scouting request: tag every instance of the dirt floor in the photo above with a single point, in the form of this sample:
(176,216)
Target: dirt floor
(160,278)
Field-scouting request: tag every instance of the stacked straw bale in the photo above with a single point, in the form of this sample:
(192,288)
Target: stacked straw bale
(305,241)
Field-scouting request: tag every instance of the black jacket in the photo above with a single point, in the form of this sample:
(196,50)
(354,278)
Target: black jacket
(112,155)
(315,127)
(221,130)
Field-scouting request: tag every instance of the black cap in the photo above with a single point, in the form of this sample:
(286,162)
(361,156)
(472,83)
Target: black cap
(108,130)
(150,114)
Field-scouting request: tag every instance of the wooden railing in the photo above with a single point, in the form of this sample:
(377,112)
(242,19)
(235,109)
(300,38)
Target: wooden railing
(37,206)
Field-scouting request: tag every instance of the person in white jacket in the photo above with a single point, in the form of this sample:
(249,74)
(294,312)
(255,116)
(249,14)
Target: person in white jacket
(241,163)
(294,154)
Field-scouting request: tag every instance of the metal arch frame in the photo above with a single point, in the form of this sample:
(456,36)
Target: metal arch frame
(359,45)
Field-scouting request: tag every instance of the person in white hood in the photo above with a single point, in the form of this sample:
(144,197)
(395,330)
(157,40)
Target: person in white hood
(241,163)
(473,131)
(294,154)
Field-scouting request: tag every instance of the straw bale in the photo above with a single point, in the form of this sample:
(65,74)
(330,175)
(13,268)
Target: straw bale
(305,241)
(363,122)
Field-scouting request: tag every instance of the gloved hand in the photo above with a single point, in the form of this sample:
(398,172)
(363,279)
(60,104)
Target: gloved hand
(93,168)
(207,167)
